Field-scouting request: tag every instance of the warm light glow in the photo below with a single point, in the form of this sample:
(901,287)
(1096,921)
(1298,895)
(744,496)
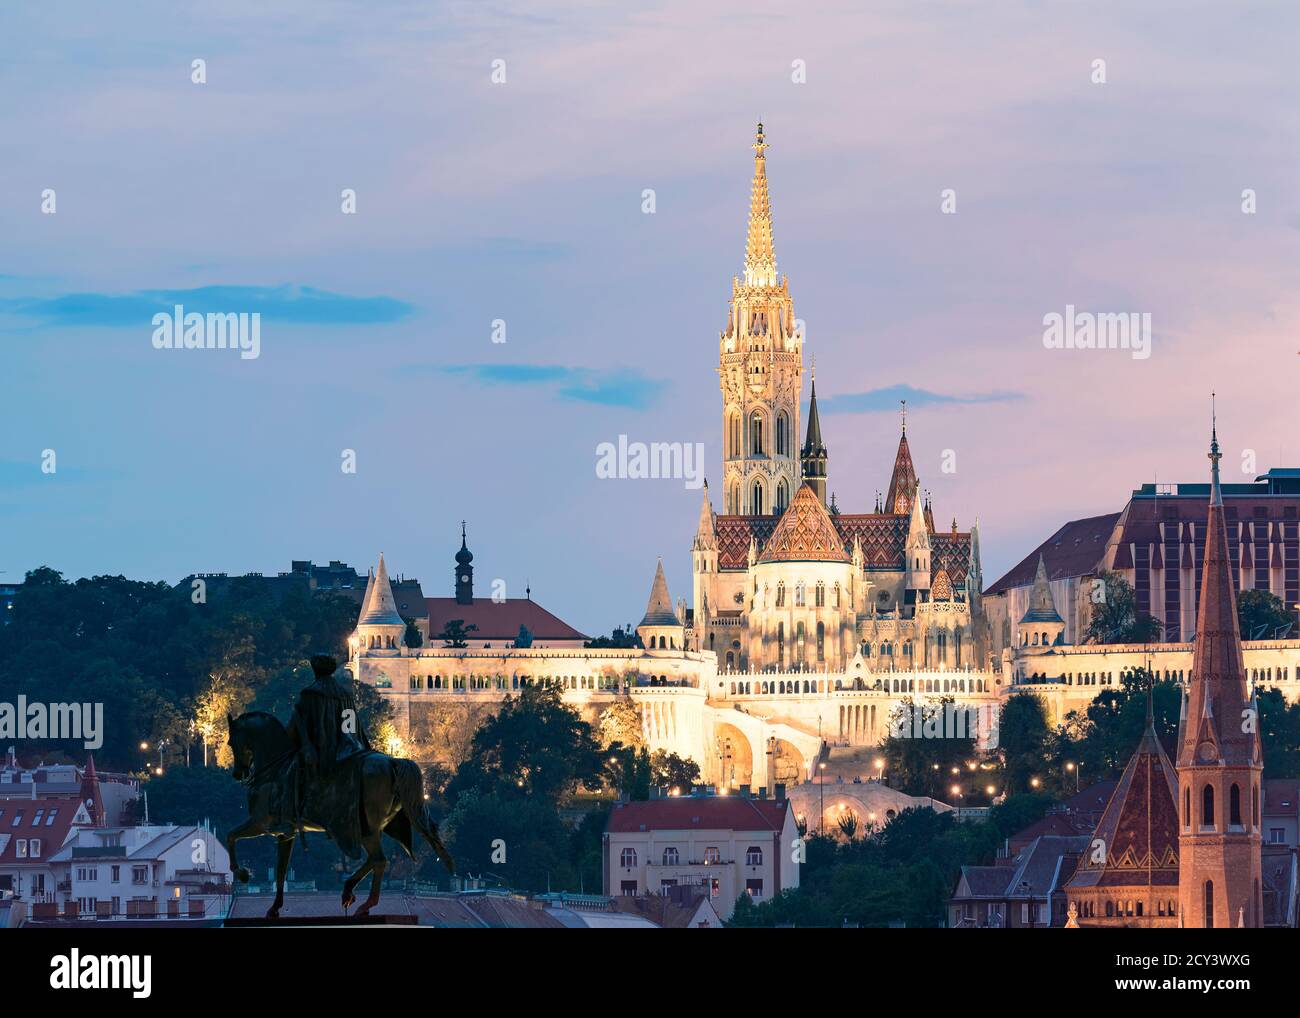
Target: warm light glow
(158,771)
(990,789)
(1069,767)
(1034,782)
(144,745)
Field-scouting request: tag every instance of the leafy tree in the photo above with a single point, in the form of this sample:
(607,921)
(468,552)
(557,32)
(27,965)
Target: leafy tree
(921,765)
(1263,616)
(535,746)
(1115,618)
(668,770)
(519,842)
(1279,729)
(412,638)
(456,634)
(1022,736)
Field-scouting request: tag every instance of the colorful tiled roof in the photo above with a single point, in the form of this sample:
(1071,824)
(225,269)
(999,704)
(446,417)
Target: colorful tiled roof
(804,533)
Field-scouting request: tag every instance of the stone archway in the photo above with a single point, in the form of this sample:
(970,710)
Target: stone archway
(788,767)
(735,757)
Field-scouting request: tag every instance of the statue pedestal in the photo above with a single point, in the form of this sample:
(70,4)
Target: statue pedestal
(321,920)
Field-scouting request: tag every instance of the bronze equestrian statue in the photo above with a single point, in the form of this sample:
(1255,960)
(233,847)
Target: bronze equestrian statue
(320,774)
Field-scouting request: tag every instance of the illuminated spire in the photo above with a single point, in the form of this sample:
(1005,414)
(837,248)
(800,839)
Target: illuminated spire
(760,255)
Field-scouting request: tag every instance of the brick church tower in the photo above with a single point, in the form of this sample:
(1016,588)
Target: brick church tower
(1219,758)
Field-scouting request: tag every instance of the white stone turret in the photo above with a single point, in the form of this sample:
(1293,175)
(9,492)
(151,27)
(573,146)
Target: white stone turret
(379,627)
(917,550)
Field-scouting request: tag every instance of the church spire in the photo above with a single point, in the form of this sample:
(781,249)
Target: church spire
(760,256)
(1219,761)
(464,571)
(706,535)
(903,482)
(814,451)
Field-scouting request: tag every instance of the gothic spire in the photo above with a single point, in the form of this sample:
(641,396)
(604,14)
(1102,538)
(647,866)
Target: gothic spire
(903,482)
(706,535)
(760,256)
(813,455)
(1042,607)
(1217,693)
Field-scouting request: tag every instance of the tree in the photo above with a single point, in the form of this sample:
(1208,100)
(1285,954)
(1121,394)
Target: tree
(921,765)
(620,723)
(456,634)
(1279,730)
(412,638)
(1115,618)
(1263,616)
(519,842)
(668,770)
(1022,736)
(535,746)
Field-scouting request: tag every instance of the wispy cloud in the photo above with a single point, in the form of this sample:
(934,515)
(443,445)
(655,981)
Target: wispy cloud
(300,305)
(889,397)
(621,388)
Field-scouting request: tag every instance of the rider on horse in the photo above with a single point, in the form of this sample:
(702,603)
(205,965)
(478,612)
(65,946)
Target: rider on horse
(327,735)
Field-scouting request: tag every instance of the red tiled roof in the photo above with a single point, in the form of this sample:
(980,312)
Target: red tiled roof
(498,620)
(713,813)
(1281,796)
(1076,549)
(51,835)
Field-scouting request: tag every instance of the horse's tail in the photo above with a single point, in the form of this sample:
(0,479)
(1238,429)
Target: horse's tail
(410,792)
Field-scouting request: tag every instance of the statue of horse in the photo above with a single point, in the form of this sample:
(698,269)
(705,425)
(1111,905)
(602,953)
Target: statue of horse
(391,802)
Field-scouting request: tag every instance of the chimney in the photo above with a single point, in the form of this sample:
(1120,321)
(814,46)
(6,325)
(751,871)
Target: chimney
(779,792)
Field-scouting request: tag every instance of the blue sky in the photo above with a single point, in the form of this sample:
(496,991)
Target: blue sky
(521,202)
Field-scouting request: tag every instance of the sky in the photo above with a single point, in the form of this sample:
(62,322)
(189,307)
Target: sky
(521,201)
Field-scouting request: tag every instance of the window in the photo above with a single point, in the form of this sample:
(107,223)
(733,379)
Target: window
(754,888)
(782,436)
(1234,806)
(670,857)
(116,874)
(627,858)
(34,847)
(1276,835)
(628,888)
(1209,904)
(20,848)
(1207,807)
(756,508)
(821,639)
(139,874)
(821,594)
(756,435)
(712,855)
(753,856)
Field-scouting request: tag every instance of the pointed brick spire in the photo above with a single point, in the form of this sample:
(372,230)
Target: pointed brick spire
(903,485)
(90,793)
(760,256)
(1217,693)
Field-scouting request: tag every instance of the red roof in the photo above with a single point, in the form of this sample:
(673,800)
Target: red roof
(1077,549)
(686,813)
(498,620)
(1281,796)
(51,835)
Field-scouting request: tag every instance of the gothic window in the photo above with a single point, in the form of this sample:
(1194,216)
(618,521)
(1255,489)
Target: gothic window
(1254,809)
(799,641)
(782,434)
(837,595)
(1209,904)
(780,594)
(800,595)
(821,594)
(756,509)
(1187,808)
(1207,806)
(780,642)
(733,436)
(756,435)
(821,643)
(1234,806)
(782,498)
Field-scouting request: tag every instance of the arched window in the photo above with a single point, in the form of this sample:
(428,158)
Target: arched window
(733,436)
(1187,808)
(670,856)
(756,506)
(782,434)
(1234,806)
(780,594)
(782,497)
(753,856)
(821,643)
(1207,806)
(800,594)
(627,858)
(756,434)
(821,594)
(1209,904)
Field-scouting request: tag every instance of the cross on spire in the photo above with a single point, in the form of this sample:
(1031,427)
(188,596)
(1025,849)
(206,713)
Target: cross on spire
(902,412)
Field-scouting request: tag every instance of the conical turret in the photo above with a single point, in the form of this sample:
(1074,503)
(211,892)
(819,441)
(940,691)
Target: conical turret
(903,485)
(660,628)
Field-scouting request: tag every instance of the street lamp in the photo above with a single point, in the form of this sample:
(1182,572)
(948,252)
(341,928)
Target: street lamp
(1070,766)
(821,787)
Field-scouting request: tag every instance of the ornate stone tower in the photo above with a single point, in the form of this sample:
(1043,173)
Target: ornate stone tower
(760,372)
(1219,759)
(464,572)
